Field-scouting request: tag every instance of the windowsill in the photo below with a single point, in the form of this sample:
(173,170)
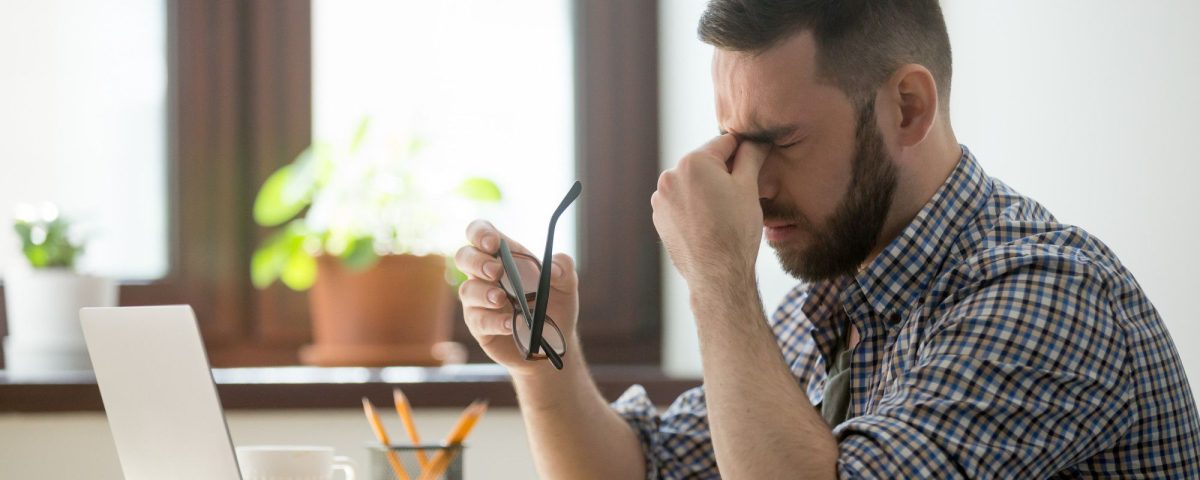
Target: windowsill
(334,388)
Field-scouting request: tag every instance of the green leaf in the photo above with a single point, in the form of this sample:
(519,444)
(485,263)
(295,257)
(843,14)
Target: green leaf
(415,145)
(454,276)
(265,267)
(359,133)
(24,232)
(56,231)
(37,255)
(314,168)
(276,202)
(272,258)
(269,259)
(52,246)
(300,272)
(360,254)
(479,189)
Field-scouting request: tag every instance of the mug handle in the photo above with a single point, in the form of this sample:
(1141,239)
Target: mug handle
(346,465)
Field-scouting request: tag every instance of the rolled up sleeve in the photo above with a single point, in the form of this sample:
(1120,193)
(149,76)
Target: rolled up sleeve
(676,444)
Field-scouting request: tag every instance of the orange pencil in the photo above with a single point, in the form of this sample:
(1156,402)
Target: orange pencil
(458,434)
(442,460)
(404,409)
(380,434)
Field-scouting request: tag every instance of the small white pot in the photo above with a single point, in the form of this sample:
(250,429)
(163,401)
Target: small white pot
(42,307)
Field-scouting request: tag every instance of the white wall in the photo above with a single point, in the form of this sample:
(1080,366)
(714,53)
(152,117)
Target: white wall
(79,445)
(1087,106)
(1090,107)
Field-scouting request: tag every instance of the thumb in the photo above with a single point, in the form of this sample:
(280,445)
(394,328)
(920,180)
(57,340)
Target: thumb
(748,160)
(562,274)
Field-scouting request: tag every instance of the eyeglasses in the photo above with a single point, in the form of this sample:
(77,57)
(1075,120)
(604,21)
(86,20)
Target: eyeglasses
(519,271)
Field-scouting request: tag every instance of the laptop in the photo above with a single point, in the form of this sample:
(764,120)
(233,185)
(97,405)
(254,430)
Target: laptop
(158,393)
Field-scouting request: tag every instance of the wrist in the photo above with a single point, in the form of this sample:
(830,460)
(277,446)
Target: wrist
(729,289)
(720,313)
(544,388)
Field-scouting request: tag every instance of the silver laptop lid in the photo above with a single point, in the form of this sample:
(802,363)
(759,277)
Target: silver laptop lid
(158,393)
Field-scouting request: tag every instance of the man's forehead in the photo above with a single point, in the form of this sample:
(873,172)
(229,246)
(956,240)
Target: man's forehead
(761,90)
(794,56)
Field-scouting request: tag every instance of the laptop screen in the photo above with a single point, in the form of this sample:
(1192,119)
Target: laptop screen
(158,393)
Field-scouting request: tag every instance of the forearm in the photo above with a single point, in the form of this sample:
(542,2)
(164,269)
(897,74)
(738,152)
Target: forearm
(572,431)
(763,425)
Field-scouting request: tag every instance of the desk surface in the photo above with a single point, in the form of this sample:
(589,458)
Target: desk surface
(333,388)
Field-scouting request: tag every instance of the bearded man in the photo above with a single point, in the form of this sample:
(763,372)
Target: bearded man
(947,326)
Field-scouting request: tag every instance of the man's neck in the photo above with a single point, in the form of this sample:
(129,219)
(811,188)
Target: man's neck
(921,175)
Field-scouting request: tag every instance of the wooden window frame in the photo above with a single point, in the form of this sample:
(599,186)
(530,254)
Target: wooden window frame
(239,106)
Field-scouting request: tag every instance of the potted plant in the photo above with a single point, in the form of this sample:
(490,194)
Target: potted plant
(367,228)
(44,294)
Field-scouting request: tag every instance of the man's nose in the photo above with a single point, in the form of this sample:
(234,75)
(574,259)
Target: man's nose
(768,177)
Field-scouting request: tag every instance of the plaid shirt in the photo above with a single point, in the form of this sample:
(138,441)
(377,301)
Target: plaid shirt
(995,343)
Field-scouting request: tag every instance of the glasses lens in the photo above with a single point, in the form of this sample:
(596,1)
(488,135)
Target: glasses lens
(550,333)
(527,268)
(529,271)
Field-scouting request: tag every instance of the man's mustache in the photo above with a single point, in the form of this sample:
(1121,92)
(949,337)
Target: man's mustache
(776,212)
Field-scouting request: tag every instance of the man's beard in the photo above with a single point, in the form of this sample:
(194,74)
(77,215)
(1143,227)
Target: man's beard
(853,230)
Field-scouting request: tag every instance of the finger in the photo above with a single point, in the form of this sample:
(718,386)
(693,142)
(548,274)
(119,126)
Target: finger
(486,237)
(748,161)
(482,321)
(721,148)
(475,263)
(480,293)
(563,277)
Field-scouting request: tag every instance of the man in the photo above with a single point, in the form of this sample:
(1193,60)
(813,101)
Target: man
(948,326)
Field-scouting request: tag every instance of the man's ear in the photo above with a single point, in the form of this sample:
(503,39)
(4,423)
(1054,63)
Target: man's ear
(909,104)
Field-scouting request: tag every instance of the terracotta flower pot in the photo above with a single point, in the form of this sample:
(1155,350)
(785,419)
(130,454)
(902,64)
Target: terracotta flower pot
(395,313)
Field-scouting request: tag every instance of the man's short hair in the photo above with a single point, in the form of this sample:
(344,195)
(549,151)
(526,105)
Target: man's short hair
(860,43)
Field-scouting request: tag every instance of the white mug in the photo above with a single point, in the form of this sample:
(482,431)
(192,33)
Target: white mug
(287,462)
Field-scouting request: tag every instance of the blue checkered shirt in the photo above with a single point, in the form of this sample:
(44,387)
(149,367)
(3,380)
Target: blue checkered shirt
(995,342)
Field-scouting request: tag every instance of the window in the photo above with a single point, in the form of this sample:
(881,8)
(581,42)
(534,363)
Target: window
(486,85)
(580,81)
(84,127)
(240,102)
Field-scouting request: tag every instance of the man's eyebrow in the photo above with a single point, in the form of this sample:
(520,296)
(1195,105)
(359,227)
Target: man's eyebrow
(766,135)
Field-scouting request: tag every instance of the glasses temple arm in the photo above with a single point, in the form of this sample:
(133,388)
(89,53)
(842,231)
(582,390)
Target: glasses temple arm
(539,310)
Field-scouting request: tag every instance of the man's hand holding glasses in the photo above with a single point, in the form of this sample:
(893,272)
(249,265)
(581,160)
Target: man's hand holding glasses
(501,297)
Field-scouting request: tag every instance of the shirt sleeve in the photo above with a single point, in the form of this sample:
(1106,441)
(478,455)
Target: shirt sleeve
(676,443)
(1021,378)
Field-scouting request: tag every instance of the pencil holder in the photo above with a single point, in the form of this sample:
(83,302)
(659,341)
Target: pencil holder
(381,469)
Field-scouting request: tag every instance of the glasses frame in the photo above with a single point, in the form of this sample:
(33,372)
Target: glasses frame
(520,299)
(519,314)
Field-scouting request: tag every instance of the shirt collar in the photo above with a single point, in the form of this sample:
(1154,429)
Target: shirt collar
(897,278)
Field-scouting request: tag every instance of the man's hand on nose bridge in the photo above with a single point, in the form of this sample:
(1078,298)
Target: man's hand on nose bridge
(707,212)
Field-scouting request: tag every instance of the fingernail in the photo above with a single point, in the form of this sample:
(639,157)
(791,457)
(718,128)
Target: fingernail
(495,296)
(556,270)
(489,243)
(492,270)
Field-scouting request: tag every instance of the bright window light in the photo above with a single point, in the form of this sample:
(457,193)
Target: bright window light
(486,85)
(83,124)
